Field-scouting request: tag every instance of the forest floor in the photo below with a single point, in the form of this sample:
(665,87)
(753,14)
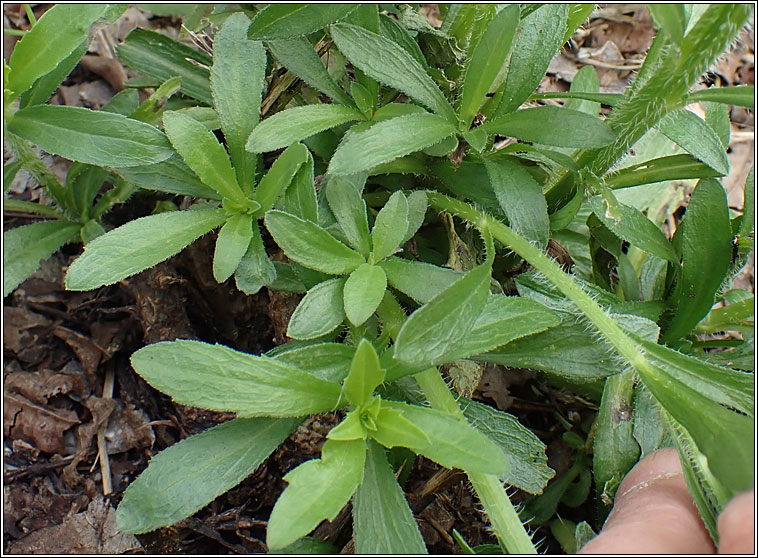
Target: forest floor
(79,425)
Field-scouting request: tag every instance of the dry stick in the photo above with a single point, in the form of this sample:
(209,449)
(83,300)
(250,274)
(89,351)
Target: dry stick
(105,465)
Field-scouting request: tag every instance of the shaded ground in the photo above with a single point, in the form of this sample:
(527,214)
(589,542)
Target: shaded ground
(79,424)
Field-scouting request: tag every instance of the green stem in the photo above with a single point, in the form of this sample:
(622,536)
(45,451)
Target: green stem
(498,507)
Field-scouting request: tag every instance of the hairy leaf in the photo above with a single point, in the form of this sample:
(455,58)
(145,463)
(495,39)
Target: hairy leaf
(280,175)
(177,483)
(222,379)
(320,311)
(390,226)
(284,21)
(349,209)
(232,244)
(694,135)
(94,137)
(364,376)
(420,281)
(364,290)
(138,245)
(255,269)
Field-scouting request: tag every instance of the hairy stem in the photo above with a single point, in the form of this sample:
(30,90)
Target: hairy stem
(498,507)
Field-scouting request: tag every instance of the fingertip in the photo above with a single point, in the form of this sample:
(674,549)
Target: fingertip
(736,525)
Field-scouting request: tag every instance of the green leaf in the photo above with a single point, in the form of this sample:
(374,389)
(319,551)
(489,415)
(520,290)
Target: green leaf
(280,175)
(568,351)
(203,154)
(585,81)
(539,36)
(635,228)
(185,477)
(349,209)
(671,167)
(578,14)
(717,117)
(255,269)
(395,32)
(615,451)
(525,452)
(310,245)
(382,521)
(284,21)
(390,226)
(740,95)
(363,292)
(556,126)
(222,379)
(694,135)
(486,61)
(388,140)
(725,386)
(318,489)
(232,244)
(161,57)
(420,281)
(300,197)
(51,40)
(417,205)
(138,245)
(452,442)
(299,57)
(504,319)
(390,64)
(446,319)
(520,196)
(671,18)
(320,311)
(25,247)
(47,85)
(294,124)
(237,101)
(171,175)
(94,137)
(328,361)
(364,376)
(706,255)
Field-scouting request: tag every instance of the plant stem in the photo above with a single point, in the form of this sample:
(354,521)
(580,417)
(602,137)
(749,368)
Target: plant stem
(498,507)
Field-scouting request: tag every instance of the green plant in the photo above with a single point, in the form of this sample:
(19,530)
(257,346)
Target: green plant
(415,123)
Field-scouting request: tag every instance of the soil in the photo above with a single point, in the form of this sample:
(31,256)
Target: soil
(79,425)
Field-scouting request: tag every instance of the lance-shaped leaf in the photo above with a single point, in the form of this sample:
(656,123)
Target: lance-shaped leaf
(694,135)
(520,196)
(398,34)
(318,489)
(222,379)
(556,126)
(238,101)
(329,361)
(364,290)
(382,521)
(538,38)
(171,175)
(232,244)
(452,442)
(50,41)
(310,245)
(446,319)
(255,269)
(25,247)
(671,18)
(94,137)
(390,226)
(161,57)
(486,61)
(503,319)
(706,255)
(284,21)
(300,197)
(740,95)
(320,311)
(388,63)
(364,376)
(280,175)
(203,153)
(177,482)
(420,281)
(349,209)
(671,167)
(300,58)
(137,245)
(417,205)
(388,140)
(635,228)
(47,85)
(295,124)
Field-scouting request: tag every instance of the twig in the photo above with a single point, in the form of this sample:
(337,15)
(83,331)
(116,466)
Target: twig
(105,465)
